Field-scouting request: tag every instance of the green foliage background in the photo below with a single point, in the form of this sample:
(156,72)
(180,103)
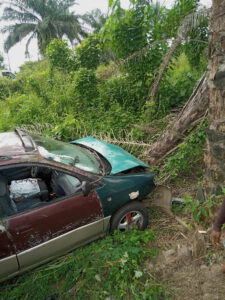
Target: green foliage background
(74,92)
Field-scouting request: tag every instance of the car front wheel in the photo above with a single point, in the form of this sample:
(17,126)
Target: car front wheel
(131,215)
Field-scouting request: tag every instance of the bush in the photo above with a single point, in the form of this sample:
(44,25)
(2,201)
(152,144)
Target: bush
(130,95)
(60,56)
(176,86)
(88,53)
(85,86)
(188,156)
(10,86)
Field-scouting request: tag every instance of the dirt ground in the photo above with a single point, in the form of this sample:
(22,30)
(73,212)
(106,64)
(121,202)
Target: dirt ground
(188,265)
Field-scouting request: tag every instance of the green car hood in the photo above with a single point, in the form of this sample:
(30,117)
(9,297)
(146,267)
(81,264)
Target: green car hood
(119,159)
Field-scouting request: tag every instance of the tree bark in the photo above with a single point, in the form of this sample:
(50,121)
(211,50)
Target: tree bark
(193,110)
(215,155)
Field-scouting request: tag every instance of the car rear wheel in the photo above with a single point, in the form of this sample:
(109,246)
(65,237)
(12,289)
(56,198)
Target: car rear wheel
(131,215)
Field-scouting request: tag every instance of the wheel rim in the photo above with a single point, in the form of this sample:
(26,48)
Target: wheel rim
(130,220)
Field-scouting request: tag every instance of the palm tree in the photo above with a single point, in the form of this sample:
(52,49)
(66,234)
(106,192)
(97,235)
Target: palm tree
(215,153)
(96,19)
(41,19)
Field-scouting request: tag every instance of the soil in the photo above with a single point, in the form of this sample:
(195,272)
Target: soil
(188,265)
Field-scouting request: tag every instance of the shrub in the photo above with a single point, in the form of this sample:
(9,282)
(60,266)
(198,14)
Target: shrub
(9,87)
(61,56)
(88,53)
(85,86)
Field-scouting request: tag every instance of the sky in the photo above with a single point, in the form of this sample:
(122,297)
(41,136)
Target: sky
(16,55)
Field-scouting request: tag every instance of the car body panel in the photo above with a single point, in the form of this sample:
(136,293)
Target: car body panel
(6,246)
(8,266)
(51,249)
(119,159)
(35,227)
(121,189)
(61,244)
(7,74)
(8,259)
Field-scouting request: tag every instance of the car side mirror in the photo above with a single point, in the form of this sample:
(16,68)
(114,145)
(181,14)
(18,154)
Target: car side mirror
(86,188)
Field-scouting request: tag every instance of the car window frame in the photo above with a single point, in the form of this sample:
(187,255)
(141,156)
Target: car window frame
(81,177)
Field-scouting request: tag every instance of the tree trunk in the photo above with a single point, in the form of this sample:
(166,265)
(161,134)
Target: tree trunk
(215,155)
(166,60)
(193,110)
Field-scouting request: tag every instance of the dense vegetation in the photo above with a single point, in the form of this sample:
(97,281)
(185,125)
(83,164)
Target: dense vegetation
(101,88)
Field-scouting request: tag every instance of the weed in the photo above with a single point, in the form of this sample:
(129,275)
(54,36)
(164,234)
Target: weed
(209,257)
(202,212)
(188,155)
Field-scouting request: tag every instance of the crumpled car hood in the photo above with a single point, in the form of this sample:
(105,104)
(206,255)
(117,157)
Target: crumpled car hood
(119,159)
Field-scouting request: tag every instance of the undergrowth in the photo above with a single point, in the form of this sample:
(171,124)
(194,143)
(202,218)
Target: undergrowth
(203,212)
(111,267)
(189,155)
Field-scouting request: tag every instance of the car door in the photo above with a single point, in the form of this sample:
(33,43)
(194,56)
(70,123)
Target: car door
(8,260)
(53,228)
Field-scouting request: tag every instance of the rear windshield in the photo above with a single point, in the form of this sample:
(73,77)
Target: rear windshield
(67,154)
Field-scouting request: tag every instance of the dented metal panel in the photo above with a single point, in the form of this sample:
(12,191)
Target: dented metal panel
(49,250)
(32,228)
(61,244)
(119,159)
(119,190)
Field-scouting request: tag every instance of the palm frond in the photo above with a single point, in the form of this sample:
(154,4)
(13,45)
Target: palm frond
(16,33)
(96,19)
(50,18)
(24,6)
(10,14)
(28,42)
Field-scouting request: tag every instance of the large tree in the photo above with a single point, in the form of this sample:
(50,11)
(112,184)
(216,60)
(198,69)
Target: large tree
(41,19)
(195,108)
(215,155)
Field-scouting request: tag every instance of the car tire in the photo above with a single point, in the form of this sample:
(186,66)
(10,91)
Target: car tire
(130,215)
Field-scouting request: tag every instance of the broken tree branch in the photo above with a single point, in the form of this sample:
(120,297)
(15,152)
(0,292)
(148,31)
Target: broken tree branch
(193,110)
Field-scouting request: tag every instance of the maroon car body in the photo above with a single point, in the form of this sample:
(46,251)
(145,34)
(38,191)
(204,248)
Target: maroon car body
(54,198)
(28,237)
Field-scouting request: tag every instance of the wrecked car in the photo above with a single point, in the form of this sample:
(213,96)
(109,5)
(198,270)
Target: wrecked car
(57,196)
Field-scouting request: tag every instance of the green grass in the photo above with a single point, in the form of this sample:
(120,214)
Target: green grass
(113,266)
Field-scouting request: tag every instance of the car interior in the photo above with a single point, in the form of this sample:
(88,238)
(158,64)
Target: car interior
(24,188)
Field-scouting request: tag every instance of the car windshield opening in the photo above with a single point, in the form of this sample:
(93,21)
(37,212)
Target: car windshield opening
(68,154)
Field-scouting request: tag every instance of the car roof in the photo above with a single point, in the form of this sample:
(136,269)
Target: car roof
(15,143)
